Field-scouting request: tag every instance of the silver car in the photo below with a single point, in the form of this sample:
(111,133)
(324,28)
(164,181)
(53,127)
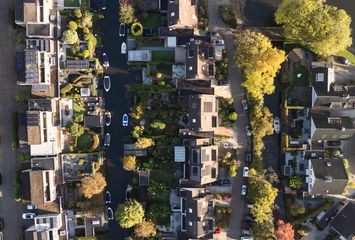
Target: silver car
(244,190)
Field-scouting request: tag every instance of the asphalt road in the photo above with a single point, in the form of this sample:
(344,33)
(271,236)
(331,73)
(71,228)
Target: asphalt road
(116,103)
(9,209)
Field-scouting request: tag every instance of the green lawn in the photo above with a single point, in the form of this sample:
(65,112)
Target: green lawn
(85,141)
(150,42)
(71,3)
(304,79)
(163,56)
(151,20)
(349,55)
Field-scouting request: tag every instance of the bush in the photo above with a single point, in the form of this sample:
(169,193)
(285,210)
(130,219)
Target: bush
(233,116)
(73,25)
(66,89)
(70,37)
(24,157)
(137,29)
(22,98)
(77,13)
(227,14)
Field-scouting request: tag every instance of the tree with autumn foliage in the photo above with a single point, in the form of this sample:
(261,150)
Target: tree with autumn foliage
(260,61)
(93,185)
(145,229)
(284,231)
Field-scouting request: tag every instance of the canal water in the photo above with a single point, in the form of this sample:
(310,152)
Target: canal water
(116,103)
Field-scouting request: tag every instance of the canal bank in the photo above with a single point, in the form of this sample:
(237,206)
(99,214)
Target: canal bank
(116,103)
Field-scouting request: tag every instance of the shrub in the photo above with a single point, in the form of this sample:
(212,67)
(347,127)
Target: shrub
(137,29)
(73,25)
(70,37)
(233,116)
(227,14)
(129,162)
(66,89)
(77,13)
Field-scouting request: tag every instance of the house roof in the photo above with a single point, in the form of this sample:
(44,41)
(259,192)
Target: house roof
(330,176)
(34,127)
(93,121)
(44,163)
(199,60)
(40,104)
(77,64)
(143,178)
(326,121)
(203,112)
(38,29)
(182,14)
(343,222)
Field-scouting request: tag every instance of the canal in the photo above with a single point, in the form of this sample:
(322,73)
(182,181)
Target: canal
(116,103)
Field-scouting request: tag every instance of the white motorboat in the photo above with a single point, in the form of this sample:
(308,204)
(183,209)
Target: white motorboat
(123,48)
(107,83)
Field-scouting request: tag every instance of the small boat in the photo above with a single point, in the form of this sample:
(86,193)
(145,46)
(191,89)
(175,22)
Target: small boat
(125,120)
(108,197)
(123,48)
(107,139)
(108,118)
(107,83)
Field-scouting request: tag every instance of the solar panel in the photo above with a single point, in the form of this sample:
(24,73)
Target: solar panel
(41,87)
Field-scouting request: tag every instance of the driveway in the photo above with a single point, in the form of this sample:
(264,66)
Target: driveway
(9,209)
(237,92)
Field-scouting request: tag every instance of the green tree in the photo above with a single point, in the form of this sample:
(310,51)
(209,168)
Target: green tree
(157,124)
(126,13)
(72,25)
(233,116)
(136,112)
(158,191)
(323,28)
(295,182)
(145,229)
(137,29)
(263,231)
(137,131)
(260,61)
(129,162)
(86,19)
(75,129)
(261,122)
(70,37)
(144,142)
(159,213)
(129,213)
(78,117)
(86,53)
(77,13)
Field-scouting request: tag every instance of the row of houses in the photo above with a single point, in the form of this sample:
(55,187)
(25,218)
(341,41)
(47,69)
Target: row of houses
(320,121)
(50,185)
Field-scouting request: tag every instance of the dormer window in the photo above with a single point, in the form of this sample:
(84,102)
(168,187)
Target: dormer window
(172,14)
(338,88)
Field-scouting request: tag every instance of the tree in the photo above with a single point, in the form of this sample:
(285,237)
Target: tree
(233,116)
(157,124)
(86,19)
(91,206)
(158,191)
(137,131)
(75,129)
(136,112)
(86,53)
(145,229)
(295,182)
(77,13)
(159,213)
(70,37)
(129,162)
(129,213)
(126,13)
(93,185)
(137,29)
(323,28)
(144,142)
(271,175)
(260,61)
(284,231)
(78,117)
(72,25)
(261,122)
(264,231)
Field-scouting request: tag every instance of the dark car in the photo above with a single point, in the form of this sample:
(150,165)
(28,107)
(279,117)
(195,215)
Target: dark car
(248,217)
(334,143)
(224,182)
(247,157)
(212,34)
(344,60)
(223,82)
(1,223)
(246,225)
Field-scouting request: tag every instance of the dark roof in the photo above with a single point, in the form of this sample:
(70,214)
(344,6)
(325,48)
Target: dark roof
(143,178)
(39,44)
(330,176)
(44,163)
(173,7)
(93,121)
(38,29)
(343,223)
(20,66)
(77,64)
(40,104)
(19,16)
(25,185)
(186,88)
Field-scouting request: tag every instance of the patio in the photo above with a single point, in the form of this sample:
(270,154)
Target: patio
(77,166)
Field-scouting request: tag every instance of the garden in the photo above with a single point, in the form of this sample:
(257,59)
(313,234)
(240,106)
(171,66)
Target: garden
(227,113)
(203,15)
(222,68)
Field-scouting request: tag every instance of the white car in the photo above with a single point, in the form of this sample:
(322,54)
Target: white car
(248,130)
(244,190)
(218,42)
(244,105)
(245,172)
(277,125)
(28,216)
(31,207)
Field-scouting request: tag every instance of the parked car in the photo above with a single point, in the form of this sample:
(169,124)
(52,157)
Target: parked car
(107,197)
(212,34)
(244,105)
(246,237)
(248,217)
(334,143)
(109,213)
(28,216)
(248,130)
(246,225)
(245,231)
(223,82)
(277,125)
(122,30)
(107,140)
(31,207)
(344,60)
(123,48)
(245,172)
(224,182)
(244,190)
(218,42)
(247,157)
(105,61)
(125,120)
(250,205)
(1,223)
